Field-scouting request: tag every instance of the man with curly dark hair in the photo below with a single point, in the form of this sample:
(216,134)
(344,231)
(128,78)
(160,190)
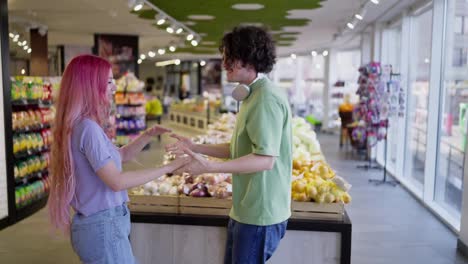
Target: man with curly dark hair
(260,150)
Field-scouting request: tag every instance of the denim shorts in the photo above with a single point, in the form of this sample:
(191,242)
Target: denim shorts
(252,244)
(103,237)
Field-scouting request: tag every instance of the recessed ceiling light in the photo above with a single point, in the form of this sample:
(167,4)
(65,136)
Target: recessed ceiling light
(201,17)
(350,25)
(358,16)
(314,53)
(177,62)
(202,63)
(189,37)
(161,51)
(194,43)
(139,61)
(151,54)
(247,6)
(189,23)
(172,48)
(142,56)
(325,53)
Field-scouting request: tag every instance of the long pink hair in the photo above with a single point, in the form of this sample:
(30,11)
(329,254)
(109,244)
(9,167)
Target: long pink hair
(83,93)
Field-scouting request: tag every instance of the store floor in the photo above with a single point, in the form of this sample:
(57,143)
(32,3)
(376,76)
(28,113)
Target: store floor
(389,225)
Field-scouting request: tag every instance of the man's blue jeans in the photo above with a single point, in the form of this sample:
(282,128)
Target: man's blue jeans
(251,244)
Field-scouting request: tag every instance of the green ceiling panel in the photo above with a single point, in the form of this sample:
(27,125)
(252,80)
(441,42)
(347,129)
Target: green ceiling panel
(273,16)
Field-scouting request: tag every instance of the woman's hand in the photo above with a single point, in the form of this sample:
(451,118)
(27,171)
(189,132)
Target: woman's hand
(178,163)
(196,166)
(181,144)
(156,131)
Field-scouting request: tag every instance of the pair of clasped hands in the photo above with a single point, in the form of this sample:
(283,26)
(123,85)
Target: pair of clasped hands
(191,162)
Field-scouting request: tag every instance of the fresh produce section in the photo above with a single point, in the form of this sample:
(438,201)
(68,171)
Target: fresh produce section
(313,180)
(130,109)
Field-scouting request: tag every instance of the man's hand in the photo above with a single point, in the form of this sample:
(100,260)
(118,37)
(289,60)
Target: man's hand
(156,131)
(198,165)
(181,144)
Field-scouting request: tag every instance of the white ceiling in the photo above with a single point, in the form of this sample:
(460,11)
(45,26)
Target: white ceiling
(74,22)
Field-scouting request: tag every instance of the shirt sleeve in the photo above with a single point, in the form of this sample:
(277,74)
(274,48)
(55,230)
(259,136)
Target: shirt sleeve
(94,146)
(265,128)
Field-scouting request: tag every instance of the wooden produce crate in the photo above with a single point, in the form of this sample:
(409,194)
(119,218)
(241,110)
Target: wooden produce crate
(154,204)
(204,206)
(310,210)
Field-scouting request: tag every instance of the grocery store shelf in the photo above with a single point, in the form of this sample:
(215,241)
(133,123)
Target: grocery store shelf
(28,210)
(126,117)
(37,128)
(29,153)
(125,131)
(140,104)
(31,102)
(343,227)
(31,177)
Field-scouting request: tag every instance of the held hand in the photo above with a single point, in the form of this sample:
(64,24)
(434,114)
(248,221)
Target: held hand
(198,165)
(181,144)
(156,131)
(178,163)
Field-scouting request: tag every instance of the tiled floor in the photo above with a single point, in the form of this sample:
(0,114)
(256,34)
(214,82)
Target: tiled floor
(389,225)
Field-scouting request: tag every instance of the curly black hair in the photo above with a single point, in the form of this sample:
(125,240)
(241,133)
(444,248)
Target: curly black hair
(251,45)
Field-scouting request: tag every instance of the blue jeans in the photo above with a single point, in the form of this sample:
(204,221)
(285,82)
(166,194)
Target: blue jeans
(103,237)
(251,244)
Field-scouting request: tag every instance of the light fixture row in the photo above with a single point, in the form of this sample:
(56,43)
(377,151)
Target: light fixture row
(23,44)
(359,16)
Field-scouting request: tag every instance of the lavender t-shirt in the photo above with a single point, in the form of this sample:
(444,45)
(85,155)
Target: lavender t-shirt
(91,150)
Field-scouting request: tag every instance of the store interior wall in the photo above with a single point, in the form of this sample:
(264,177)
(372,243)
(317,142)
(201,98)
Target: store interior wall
(148,70)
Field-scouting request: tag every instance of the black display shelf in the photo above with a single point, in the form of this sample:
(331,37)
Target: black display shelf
(30,178)
(29,153)
(129,92)
(124,132)
(31,102)
(23,212)
(37,128)
(140,104)
(131,117)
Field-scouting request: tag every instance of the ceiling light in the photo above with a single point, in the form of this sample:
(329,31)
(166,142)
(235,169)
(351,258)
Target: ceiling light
(194,43)
(170,30)
(247,6)
(151,54)
(189,37)
(358,16)
(11,35)
(138,5)
(161,21)
(350,25)
(161,51)
(179,30)
(426,60)
(142,56)
(314,53)
(26,47)
(325,53)
(201,17)
(25,42)
(165,63)
(15,39)
(20,44)
(177,62)
(293,56)
(139,61)
(23,71)
(29,50)
(16,36)
(172,48)
(375,1)
(202,63)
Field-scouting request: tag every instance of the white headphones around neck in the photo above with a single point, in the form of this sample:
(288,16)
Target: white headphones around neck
(241,92)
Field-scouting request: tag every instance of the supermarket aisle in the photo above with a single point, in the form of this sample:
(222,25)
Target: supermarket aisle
(389,225)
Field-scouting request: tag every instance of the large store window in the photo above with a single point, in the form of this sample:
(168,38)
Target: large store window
(454,110)
(420,59)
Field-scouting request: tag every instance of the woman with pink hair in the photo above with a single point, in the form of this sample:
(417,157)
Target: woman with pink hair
(86,168)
